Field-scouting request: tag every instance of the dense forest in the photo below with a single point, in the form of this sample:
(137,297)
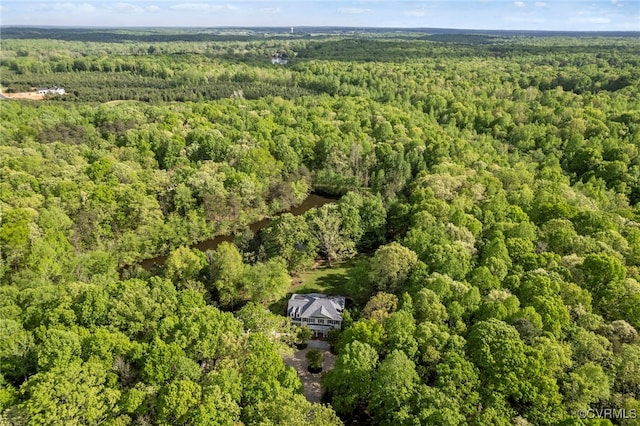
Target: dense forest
(486,211)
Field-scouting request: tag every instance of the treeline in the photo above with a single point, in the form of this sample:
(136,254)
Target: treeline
(156,90)
(164,35)
(213,73)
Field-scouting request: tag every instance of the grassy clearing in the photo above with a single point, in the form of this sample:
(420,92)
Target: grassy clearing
(340,279)
(323,280)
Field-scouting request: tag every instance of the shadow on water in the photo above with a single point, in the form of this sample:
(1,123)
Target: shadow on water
(312,201)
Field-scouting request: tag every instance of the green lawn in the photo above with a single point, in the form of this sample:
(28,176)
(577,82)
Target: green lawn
(323,280)
(339,279)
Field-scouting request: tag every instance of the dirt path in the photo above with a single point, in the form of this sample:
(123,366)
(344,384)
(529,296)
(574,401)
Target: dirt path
(34,96)
(311,382)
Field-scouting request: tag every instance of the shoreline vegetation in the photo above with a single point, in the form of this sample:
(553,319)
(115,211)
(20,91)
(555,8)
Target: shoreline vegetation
(474,197)
(312,201)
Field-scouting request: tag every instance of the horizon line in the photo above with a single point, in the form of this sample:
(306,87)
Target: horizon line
(288,27)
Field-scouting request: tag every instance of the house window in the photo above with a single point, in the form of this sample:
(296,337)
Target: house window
(320,321)
(305,319)
(311,320)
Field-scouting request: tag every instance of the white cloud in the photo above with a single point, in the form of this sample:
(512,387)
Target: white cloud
(152,8)
(540,4)
(270,10)
(124,8)
(526,19)
(598,20)
(353,10)
(519,3)
(415,13)
(192,7)
(592,20)
(202,7)
(71,8)
(633,25)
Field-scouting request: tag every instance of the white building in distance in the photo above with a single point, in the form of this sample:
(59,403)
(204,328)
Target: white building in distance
(55,90)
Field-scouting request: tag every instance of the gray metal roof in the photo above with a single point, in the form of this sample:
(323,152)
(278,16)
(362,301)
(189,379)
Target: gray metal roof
(315,305)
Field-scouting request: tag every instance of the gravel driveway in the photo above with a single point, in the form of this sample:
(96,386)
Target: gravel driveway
(311,382)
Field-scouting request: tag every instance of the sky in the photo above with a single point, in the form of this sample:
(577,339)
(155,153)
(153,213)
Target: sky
(566,15)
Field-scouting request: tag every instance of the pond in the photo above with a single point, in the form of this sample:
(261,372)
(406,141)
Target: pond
(312,201)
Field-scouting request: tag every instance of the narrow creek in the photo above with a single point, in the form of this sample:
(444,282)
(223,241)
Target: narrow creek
(312,201)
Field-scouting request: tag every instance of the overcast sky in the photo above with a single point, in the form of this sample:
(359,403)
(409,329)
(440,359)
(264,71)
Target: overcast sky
(567,15)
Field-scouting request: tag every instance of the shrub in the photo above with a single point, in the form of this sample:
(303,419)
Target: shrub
(314,359)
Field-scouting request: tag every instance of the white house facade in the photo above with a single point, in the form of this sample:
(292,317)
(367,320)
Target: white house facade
(319,312)
(55,90)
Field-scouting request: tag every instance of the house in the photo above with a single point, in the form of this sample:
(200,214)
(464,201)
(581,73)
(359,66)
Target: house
(55,90)
(319,312)
(280,61)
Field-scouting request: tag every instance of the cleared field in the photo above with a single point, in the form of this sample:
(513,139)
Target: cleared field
(34,96)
